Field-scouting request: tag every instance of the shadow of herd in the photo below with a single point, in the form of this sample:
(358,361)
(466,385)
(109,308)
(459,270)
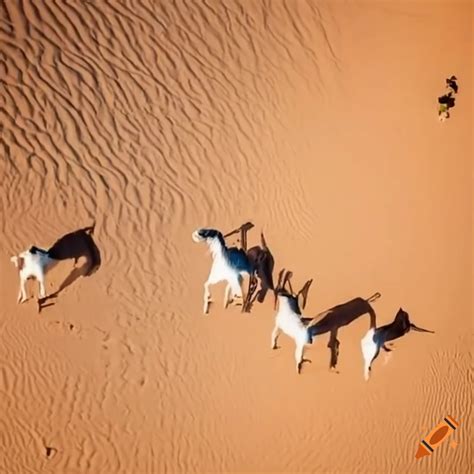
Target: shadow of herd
(231,264)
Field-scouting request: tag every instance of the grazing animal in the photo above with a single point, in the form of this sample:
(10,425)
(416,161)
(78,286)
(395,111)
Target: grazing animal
(229,264)
(32,263)
(376,338)
(338,316)
(36,262)
(262,263)
(288,318)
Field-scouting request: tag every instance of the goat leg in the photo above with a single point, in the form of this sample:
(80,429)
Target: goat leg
(42,289)
(251,290)
(22,296)
(299,357)
(333,344)
(275,334)
(207,297)
(227,295)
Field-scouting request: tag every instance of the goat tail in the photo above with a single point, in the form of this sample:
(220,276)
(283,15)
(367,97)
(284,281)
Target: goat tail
(374,297)
(416,328)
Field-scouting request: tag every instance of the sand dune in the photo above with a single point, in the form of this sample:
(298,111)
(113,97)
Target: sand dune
(317,121)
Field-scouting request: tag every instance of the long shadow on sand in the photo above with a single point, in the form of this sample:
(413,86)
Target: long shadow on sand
(261,259)
(74,245)
(331,320)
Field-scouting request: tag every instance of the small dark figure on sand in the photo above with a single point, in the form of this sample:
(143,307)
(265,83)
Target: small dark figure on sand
(447,100)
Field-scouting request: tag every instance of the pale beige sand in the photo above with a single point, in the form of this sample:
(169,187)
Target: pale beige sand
(316,121)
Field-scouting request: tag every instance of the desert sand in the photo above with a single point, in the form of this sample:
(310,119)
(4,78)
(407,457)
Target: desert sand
(316,121)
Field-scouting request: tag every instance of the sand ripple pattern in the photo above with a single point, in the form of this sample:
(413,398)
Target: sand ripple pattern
(151,118)
(129,104)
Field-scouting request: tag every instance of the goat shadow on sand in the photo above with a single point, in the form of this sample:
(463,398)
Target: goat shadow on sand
(262,260)
(337,317)
(74,245)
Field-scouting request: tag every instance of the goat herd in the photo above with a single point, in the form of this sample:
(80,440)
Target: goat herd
(231,265)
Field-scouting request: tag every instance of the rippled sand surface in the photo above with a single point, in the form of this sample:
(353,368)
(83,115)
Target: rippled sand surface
(317,121)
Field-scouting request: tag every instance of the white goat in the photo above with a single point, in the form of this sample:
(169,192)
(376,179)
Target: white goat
(376,338)
(33,263)
(228,264)
(289,319)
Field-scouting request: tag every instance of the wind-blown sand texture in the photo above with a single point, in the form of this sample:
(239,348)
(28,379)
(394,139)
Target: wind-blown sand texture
(315,121)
